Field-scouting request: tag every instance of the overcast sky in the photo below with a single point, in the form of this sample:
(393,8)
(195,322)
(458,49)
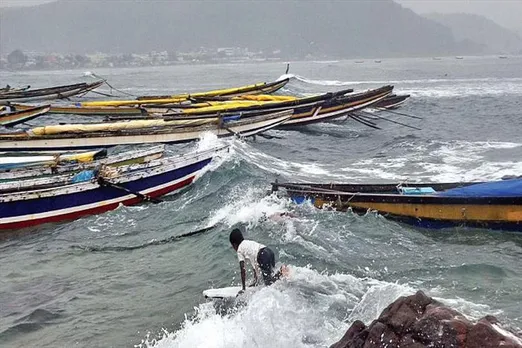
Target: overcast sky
(507,13)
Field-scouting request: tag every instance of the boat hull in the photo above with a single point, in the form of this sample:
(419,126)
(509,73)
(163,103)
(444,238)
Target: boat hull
(53,93)
(245,128)
(424,210)
(443,212)
(24,209)
(17,117)
(334,109)
(87,111)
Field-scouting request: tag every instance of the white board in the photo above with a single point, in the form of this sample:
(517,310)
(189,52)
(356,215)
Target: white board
(229,292)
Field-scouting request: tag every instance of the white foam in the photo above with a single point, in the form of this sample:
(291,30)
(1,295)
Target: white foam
(248,207)
(209,141)
(316,82)
(507,334)
(450,161)
(306,311)
(432,88)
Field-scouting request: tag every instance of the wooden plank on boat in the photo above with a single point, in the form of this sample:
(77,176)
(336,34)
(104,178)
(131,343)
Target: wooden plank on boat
(125,158)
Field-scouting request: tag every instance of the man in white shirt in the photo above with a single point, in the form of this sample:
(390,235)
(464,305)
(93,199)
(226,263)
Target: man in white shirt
(261,258)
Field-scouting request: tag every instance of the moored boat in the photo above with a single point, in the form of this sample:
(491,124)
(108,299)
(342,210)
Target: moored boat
(12,118)
(494,205)
(51,93)
(306,110)
(258,88)
(82,136)
(392,101)
(31,160)
(262,88)
(125,158)
(77,109)
(102,192)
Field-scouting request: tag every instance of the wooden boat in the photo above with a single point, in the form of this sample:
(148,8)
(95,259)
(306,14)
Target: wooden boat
(305,110)
(51,93)
(392,101)
(13,89)
(262,88)
(337,107)
(125,158)
(77,109)
(111,165)
(495,205)
(81,136)
(102,192)
(206,107)
(258,88)
(21,161)
(15,117)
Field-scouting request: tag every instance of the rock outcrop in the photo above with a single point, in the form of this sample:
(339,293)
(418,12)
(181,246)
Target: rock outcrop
(419,321)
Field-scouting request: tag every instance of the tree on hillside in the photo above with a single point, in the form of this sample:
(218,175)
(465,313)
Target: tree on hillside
(17,58)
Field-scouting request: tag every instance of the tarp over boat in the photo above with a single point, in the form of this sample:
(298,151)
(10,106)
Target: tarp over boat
(504,188)
(116,126)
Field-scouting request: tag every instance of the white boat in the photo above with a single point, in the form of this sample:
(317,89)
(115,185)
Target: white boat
(65,139)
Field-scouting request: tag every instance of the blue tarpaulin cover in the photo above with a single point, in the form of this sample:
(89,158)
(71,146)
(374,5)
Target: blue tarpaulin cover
(231,118)
(82,176)
(417,190)
(504,188)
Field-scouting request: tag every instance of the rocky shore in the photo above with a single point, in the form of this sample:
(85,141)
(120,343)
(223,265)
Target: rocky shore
(419,321)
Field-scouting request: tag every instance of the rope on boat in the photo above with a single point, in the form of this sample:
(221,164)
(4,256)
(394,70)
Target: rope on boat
(399,113)
(108,84)
(387,119)
(363,121)
(103,94)
(142,246)
(143,197)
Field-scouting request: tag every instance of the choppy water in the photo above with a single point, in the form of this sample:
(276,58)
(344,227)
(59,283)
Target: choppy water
(75,284)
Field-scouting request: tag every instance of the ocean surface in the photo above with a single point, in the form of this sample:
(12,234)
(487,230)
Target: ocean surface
(79,284)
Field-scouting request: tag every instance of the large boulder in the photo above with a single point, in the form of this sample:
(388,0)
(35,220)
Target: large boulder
(419,321)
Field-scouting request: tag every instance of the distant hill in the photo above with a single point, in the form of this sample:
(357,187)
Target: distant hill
(481,30)
(297,28)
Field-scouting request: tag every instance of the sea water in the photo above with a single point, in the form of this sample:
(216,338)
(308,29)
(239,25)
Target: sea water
(101,281)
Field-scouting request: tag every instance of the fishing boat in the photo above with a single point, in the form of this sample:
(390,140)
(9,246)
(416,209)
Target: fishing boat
(494,205)
(258,88)
(392,101)
(205,106)
(111,167)
(334,108)
(102,135)
(12,118)
(102,192)
(51,93)
(129,157)
(305,110)
(13,89)
(261,88)
(78,109)
(31,160)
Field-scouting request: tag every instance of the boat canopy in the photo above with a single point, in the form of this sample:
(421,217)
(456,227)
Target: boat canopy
(504,188)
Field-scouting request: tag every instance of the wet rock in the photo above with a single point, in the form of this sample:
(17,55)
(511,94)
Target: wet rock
(419,321)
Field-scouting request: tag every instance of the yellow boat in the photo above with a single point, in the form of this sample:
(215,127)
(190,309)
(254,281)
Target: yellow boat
(260,88)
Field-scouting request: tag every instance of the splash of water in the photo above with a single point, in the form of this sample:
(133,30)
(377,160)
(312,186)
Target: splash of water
(308,310)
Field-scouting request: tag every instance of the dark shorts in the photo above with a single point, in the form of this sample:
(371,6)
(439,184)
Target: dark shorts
(266,261)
